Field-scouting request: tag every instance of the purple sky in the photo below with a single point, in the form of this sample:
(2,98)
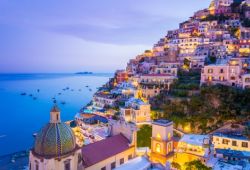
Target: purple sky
(84,35)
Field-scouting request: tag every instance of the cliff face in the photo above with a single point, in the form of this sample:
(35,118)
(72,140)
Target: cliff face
(213,107)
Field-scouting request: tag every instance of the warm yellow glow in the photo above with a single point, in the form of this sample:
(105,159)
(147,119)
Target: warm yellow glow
(158,136)
(169,136)
(210,78)
(158,148)
(187,128)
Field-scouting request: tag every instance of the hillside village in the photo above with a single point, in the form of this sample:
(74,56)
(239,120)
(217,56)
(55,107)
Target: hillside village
(182,104)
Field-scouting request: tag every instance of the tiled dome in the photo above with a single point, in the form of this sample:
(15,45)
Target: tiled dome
(55,140)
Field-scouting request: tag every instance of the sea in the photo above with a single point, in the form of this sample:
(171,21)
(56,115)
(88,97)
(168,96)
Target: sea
(26,100)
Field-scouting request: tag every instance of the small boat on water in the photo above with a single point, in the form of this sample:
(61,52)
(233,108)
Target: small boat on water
(54,101)
(34,98)
(23,94)
(38,90)
(87,86)
(59,93)
(63,102)
(90,89)
(31,95)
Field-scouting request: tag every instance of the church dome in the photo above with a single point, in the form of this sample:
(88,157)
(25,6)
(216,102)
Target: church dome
(55,139)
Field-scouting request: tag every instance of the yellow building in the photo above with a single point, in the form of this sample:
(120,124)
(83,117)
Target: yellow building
(162,137)
(232,142)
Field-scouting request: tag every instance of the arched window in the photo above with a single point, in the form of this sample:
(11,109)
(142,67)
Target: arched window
(169,136)
(158,148)
(36,165)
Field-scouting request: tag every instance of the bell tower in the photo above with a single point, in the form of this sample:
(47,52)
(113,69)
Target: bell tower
(55,115)
(162,137)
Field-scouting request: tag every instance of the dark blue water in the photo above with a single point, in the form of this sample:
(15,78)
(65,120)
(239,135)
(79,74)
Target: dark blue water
(21,116)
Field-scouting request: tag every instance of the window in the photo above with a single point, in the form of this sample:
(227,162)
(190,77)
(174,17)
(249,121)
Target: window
(121,161)
(113,165)
(234,143)
(129,157)
(221,71)
(103,168)
(225,141)
(244,144)
(79,158)
(67,165)
(169,136)
(158,148)
(210,70)
(36,165)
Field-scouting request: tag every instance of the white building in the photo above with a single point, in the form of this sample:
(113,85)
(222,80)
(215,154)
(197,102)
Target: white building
(136,111)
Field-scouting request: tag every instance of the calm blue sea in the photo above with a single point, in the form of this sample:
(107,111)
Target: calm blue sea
(21,116)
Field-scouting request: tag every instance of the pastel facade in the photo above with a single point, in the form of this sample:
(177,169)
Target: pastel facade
(244,47)
(166,68)
(104,100)
(194,144)
(232,142)
(231,147)
(153,84)
(246,81)
(225,73)
(136,111)
(121,76)
(162,137)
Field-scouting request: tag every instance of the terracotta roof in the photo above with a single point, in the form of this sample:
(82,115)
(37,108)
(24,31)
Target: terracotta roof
(101,150)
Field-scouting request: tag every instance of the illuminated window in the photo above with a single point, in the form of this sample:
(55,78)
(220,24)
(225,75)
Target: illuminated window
(221,78)
(169,136)
(158,148)
(210,70)
(158,136)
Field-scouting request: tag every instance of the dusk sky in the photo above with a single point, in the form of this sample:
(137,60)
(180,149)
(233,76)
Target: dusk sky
(84,35)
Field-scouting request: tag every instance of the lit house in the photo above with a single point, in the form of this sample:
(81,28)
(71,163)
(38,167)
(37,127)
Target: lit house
(166,68)
(231,147)
(244,47)
(162,137)
(194,144)
(232,142)
(102,100)
(246,81)
(153,84)
(136,111)
(224,72)
(121,76)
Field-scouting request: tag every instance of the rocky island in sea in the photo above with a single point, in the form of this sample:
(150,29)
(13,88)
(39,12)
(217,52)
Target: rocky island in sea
(184,104)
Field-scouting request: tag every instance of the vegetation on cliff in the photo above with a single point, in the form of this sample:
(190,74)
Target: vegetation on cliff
(201,109)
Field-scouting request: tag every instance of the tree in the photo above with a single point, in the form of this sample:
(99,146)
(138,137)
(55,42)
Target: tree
(176,165)
(196,165)
(144,136)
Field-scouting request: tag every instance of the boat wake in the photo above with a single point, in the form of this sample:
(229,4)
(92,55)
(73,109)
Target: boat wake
(2,136)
